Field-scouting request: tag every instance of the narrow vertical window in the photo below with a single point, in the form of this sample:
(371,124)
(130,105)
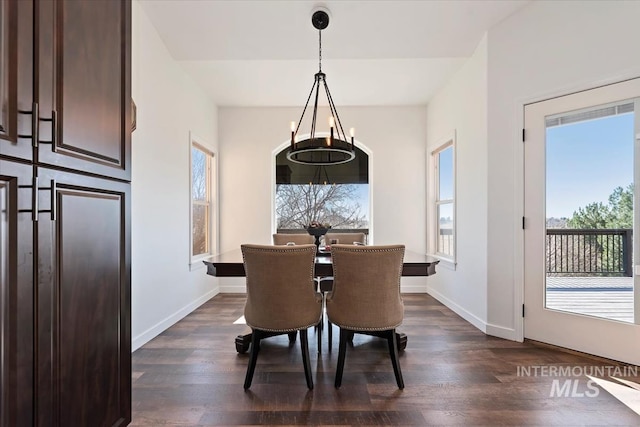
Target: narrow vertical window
(201,202)
(444,230)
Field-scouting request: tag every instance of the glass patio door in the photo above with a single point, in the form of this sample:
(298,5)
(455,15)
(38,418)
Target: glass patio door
(581,163)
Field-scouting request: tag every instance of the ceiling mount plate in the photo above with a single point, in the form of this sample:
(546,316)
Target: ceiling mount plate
(320,19)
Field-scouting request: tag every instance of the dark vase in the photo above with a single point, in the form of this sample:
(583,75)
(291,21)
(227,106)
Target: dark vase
(317,232)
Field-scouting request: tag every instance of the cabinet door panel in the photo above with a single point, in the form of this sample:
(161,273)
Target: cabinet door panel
(85,101)
(84,332)
(16,294)
(16,78)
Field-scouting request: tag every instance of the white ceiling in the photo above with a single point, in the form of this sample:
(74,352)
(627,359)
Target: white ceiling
(265,52)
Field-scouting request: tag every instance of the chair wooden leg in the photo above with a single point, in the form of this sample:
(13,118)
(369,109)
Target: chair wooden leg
(393,352)
(342,350)
(350,337)
(292,337)
(322,317)
(319,328)
(330,328)
(256,336)
(304,346)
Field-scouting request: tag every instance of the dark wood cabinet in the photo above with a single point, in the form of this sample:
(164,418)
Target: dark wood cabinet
(83,335)
(16,293)
(84,79)
(16,78)
(65,203)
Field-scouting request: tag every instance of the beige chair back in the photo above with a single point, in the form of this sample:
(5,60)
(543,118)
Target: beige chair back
(280,287)
(298,239)
(366,287)
(346,238)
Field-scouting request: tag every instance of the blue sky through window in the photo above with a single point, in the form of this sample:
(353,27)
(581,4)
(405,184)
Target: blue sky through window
(445,170)
(586,161)
(362,190)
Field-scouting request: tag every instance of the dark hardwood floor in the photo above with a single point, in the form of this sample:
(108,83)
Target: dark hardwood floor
(191,375)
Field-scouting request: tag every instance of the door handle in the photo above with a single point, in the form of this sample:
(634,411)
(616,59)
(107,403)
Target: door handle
(54,128)
(35,126)
(35,116)
(35,203)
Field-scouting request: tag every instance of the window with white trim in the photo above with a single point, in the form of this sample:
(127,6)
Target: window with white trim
(202,202)
(337,195)
(444,208)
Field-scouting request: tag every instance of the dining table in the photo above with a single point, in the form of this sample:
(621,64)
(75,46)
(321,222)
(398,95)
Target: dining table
(230,264)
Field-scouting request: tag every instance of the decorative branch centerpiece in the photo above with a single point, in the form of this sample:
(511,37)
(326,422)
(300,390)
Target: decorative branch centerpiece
(317,229)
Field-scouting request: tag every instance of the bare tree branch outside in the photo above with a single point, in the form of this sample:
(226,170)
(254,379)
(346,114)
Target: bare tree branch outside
(334,205)
(200,202)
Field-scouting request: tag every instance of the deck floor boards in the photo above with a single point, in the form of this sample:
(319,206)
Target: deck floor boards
(607,297)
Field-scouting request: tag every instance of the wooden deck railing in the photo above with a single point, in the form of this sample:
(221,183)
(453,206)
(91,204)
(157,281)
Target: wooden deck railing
(601,252)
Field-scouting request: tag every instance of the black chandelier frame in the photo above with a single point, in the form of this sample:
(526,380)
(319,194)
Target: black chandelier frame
(334,149)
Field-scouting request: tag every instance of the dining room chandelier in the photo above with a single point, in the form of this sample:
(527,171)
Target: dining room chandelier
(334,149)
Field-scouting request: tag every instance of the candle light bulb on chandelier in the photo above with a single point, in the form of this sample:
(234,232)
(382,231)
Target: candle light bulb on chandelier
(293,135)
(331,123)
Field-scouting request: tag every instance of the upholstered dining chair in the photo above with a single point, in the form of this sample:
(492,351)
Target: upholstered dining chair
(280,297)
(325,284)
(298,239)
(366,297)
(345,238)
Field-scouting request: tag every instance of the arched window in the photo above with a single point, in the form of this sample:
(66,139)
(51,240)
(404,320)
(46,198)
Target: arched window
(336,195)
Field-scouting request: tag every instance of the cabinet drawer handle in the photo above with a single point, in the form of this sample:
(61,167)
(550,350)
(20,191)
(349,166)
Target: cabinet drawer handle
(34,198)
(35,203)
(34,124)
(52,188)
(54,124)
(35,115)
(52,192)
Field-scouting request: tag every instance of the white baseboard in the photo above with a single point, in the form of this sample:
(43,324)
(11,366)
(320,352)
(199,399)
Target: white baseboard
(232,285)
(413,285)
(502,332)
(233,289)
(460,311)
(487,328)
(171,320)
(413,289)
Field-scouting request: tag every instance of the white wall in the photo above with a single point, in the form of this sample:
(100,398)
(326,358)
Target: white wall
(169,106)
(461,106)
(394,135)
(546,49)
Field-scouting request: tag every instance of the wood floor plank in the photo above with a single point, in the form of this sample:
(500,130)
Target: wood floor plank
(454,374)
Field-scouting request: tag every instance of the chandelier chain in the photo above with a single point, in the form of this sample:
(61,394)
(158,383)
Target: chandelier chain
(320,50)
